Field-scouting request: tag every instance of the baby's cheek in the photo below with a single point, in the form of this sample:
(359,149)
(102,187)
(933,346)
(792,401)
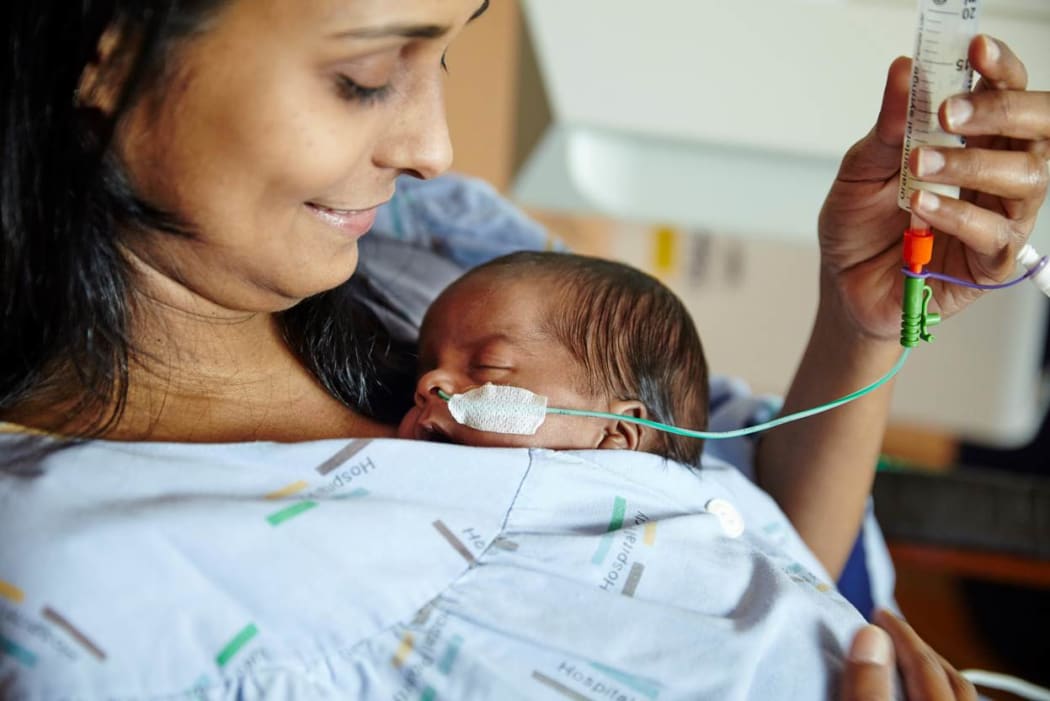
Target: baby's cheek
(568,433)
(407,427)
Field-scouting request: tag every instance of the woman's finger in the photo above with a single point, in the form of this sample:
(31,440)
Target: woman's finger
(999,66)
(868,675)
(1013,175)
(962,687)
(994,238)
(925,677)
(1012,113)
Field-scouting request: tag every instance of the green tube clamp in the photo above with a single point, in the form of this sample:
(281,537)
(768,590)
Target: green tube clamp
(916,319)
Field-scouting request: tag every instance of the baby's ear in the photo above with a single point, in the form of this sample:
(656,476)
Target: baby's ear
(625,435)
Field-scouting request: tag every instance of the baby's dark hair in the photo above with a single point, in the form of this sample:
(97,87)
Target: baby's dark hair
(632,335)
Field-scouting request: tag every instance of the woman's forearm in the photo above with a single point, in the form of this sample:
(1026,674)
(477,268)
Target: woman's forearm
(820,470)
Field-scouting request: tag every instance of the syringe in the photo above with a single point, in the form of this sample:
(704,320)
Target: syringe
(940,68)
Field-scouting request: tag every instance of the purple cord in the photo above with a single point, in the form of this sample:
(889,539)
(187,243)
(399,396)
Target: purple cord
(957,281)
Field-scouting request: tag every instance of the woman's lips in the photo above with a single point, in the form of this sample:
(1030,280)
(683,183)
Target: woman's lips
(351,222)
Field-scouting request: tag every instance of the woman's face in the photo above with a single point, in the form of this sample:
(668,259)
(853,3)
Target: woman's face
(279,131)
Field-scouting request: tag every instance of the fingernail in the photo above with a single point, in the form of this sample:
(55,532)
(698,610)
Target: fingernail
(959,111)
(928,202)
(871,646)
(991,49)
(930,162)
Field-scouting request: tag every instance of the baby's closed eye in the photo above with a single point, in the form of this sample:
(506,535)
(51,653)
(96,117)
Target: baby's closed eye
(491,369)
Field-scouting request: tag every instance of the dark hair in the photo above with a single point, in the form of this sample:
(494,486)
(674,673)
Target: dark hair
(64,198)
(632,335)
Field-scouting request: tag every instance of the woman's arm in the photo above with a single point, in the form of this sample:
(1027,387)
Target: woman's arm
(820,470)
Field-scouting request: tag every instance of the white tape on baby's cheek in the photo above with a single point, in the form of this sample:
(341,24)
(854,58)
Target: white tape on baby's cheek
(499,409)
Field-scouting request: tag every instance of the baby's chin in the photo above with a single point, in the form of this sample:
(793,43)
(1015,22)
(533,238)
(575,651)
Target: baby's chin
(411,429)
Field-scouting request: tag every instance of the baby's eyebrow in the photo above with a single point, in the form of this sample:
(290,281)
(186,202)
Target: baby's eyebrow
(523,341)
(498,336)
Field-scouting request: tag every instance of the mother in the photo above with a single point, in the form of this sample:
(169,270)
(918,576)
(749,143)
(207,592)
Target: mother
(184,184)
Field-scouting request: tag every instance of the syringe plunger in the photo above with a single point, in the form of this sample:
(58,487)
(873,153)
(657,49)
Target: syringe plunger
(1030,259)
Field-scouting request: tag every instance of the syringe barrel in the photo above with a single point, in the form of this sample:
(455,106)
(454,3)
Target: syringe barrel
(940,69)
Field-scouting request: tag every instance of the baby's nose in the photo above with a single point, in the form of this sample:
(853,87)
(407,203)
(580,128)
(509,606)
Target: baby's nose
(429,383)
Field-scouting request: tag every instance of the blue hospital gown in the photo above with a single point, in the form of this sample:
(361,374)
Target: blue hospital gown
(391,569)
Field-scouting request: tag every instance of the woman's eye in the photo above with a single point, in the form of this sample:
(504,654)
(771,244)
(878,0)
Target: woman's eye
(351,90)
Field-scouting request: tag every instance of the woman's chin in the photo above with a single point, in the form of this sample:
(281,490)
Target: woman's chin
(325,275)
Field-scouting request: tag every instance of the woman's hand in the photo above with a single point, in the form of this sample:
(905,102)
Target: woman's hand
(1002,172)
(870,670)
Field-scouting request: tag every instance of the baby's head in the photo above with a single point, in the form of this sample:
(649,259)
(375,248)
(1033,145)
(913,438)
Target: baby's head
(584,332)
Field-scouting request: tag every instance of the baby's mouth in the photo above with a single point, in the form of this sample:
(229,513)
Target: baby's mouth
(434,434)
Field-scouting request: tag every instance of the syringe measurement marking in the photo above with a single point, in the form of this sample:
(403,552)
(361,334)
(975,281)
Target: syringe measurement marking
(935,41)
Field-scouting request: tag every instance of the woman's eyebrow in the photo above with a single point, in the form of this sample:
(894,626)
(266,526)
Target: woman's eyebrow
(408,31)
(479,12)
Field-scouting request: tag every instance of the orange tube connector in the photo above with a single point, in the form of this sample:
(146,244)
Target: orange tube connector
(915,318)
(918,249)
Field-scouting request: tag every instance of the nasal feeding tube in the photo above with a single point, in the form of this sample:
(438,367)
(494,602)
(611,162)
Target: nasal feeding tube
(940,69)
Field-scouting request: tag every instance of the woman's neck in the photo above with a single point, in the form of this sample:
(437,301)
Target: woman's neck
(201,350)
(203,373)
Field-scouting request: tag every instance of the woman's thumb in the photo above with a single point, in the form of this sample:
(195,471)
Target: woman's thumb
(868,675)
(877,156)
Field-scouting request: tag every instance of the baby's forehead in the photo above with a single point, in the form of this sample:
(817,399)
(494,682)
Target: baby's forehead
(492,307)
(489,294)
(502,277)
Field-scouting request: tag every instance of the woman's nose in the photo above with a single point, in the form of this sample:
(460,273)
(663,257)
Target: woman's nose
(416,141)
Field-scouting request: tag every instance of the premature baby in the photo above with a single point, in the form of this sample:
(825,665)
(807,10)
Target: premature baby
(586,333)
